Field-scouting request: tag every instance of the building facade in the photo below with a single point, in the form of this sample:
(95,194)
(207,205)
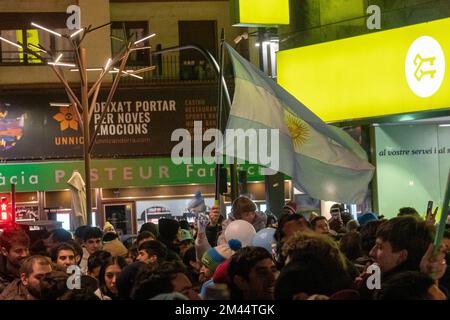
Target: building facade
(378,68)
(131,171)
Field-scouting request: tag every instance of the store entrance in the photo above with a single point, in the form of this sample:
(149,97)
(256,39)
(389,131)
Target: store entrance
(120,216)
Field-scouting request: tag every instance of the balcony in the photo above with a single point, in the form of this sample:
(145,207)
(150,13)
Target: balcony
(169,68)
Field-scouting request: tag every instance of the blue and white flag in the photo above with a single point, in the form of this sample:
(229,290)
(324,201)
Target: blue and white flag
(323,161)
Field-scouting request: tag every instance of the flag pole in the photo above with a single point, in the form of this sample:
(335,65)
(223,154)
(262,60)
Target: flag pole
(222,92)
(442,221)
(219,116)
(221,119)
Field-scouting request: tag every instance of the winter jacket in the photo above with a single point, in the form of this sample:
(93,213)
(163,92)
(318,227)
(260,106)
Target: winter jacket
(5,276)
(116,248)
(16,291)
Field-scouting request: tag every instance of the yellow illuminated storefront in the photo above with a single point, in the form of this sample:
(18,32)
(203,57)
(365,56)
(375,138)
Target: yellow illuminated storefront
(390,72)
(391,78)
(259,12)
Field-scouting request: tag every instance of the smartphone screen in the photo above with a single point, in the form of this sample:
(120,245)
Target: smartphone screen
(429,206)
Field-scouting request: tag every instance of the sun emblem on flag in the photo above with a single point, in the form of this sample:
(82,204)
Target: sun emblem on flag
(298,129)
(66,119)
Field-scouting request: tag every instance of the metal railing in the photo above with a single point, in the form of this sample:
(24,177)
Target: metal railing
(169,68)
(18,58)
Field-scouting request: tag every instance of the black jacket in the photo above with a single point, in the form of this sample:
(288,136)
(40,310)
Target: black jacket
(5,277)
(212,233)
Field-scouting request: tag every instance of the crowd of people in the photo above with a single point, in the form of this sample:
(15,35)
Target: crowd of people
(307,257)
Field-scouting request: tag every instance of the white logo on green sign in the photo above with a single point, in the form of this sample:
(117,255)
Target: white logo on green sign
(425,66)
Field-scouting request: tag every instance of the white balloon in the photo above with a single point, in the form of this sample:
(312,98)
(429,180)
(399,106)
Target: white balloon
(240,230)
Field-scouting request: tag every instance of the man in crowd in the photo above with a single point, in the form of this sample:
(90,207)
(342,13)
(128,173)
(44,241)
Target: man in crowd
(14,246)
(56,237)
(63,256)
(252,274)
(168,235)
(169,277)
(33,269)
(320,225)
(405,244)
(144,236)
(400,244)
(92,241)
(152,252)
(211,259)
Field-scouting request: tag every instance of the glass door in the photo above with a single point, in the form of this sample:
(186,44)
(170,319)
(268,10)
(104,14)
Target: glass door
(120,216)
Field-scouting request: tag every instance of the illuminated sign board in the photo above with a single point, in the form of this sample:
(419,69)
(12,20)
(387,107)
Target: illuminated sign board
(384,73)
(254,13)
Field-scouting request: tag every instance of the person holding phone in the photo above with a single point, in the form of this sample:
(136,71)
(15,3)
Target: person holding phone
(214,227)
(336,223)
(431,216)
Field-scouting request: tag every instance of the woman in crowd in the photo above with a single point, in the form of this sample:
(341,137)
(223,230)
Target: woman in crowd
(108,274)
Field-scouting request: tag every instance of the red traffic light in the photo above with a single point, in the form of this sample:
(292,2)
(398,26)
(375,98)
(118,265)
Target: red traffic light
(4,209)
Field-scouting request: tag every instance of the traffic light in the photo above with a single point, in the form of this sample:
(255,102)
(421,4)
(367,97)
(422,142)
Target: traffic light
(4,209)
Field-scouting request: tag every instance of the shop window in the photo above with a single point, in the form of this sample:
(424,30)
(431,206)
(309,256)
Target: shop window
(176,208)
(135,30)
(63,199)
(27,212)
(262,207)
(27,208)
(120,216)
(193,65)
(65,219)
(18,29)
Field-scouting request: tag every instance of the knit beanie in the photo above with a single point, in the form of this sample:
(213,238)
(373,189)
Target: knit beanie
(108,227)
(366,217)
(221,273)
(290,207)
(213,257)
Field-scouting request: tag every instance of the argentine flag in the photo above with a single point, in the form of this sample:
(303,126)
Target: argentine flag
(322,161)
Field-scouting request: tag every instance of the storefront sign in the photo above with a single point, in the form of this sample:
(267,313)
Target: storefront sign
(413,163)
(139,123)
(390,72)
(119,173)
(254,13)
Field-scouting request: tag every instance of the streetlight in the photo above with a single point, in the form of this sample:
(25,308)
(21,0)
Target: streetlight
(84,105)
